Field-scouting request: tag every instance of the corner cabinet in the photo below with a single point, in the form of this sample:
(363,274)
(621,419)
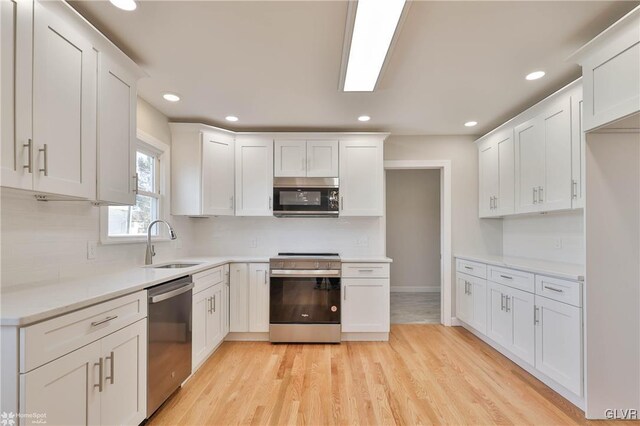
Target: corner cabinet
(254,176)
(362,177)
(202,170)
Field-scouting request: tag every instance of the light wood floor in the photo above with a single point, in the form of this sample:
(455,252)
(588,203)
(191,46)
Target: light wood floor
(425,374)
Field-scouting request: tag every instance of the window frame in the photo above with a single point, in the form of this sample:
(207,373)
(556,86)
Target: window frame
(151,145)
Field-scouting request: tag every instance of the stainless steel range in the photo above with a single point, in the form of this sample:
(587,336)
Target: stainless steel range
(305,297)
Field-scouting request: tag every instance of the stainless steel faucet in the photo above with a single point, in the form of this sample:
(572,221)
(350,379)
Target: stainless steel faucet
(148,259)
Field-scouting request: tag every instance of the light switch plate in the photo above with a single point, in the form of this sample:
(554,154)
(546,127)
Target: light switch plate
(91,249)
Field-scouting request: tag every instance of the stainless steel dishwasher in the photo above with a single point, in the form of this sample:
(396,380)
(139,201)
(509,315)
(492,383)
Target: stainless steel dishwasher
(169,348)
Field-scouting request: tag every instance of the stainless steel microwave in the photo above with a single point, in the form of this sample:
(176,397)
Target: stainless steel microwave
(306,197)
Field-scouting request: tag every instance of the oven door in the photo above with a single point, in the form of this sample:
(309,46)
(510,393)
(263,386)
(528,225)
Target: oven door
(304,299)
(288,201)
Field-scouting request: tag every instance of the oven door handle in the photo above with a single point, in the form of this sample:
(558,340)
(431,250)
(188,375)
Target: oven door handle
(305,273)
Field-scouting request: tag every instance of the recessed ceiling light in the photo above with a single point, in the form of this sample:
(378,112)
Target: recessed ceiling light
(124,4)
(171,97)
(470,123)
(373,29)
(535,75)
(231,118)
(364,118)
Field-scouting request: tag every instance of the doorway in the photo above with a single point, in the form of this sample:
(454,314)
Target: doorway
(418,239)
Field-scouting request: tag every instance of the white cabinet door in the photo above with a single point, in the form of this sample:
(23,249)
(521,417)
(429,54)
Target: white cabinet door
(290,158)
(66,389)
(519,304)
(577,151)
(116,133)
(259,297)
(365,305)
(64,107)
(463,300)
(254,177)
(239,298)
(489,178)
(16,159)
(214,319)
(124,394)
(225,301)
(529,165)
(199,316)
(361,178)
(217,176)
(505,200)
(558,335)
(499,322)
(322,158)
(555,193)
(478,295)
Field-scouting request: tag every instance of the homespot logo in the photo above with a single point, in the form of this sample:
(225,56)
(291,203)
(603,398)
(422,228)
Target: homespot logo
(621,414)
(10,418)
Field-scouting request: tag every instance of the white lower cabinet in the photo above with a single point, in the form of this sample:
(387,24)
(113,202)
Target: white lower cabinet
(471,303)
(365,298)
(249,298)
(226,290)
(103,383)
(559,342)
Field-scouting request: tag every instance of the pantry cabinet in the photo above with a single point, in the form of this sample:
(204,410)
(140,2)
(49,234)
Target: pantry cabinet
(254,176)
(306,158)
(249,298)
(102,383)
(496,174)
(361,177)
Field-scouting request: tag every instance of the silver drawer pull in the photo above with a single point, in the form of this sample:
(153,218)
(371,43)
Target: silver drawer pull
(107,319)
(365,270)
(557,290)
(506,277)
(468,267)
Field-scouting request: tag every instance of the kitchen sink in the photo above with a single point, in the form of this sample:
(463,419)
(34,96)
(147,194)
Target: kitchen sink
(176,265)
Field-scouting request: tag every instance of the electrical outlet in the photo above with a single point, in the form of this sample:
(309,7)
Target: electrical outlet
(557,243)
(91,249)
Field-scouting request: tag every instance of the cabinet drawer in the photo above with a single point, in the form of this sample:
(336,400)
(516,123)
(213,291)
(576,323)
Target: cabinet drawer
(365,270)
(512,278)
(48,340)
(205,279)
(472,268)
(561,290)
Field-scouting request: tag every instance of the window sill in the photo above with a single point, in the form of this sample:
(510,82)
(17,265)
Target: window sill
(132,240)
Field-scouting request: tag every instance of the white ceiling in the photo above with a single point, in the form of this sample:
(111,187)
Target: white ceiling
(276,64)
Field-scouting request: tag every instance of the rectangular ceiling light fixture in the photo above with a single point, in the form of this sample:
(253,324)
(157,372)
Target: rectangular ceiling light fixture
(373,31)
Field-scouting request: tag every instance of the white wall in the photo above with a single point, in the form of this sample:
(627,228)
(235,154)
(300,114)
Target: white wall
(43,241)
(557,237)
(266,236)
(413,229)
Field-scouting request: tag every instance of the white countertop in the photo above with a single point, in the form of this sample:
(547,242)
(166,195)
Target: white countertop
(379,259)
(568,271)
(26,304)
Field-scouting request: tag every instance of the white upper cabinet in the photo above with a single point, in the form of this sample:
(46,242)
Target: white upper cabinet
(64,106)
(290,158)
(202,170)
(217,175)
(496,169)
(306,158)
(611,72)
(254,176)
(577,150)
(117,181)
(362,177)
(16,157)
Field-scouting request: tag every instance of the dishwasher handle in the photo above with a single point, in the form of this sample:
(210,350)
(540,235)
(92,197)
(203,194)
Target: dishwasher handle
(169,294)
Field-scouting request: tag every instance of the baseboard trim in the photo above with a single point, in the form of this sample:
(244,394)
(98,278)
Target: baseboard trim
(247,337)
(415,289)
(365,337)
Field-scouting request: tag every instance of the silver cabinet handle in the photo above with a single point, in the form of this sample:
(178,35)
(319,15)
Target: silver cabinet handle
(470,287)
(574,189)
(29,146)
(535,195)
(507,304)
(231,202)
(265,278)
(107,319)
(557,290)
(501,302)
(507,277)
(100,365)
(540,189)
(495,202)
(214,303)
(46,161)
(135,186)
(270,203)
(345,293)
(111,358)
(535,315)
(341,203)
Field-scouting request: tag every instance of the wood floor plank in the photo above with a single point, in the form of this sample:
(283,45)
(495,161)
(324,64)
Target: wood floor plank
(424,375)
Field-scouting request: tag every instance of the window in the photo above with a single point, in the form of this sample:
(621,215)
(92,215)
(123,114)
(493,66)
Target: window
(130,223)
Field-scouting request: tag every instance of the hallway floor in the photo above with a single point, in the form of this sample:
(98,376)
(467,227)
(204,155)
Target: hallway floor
(415,308)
